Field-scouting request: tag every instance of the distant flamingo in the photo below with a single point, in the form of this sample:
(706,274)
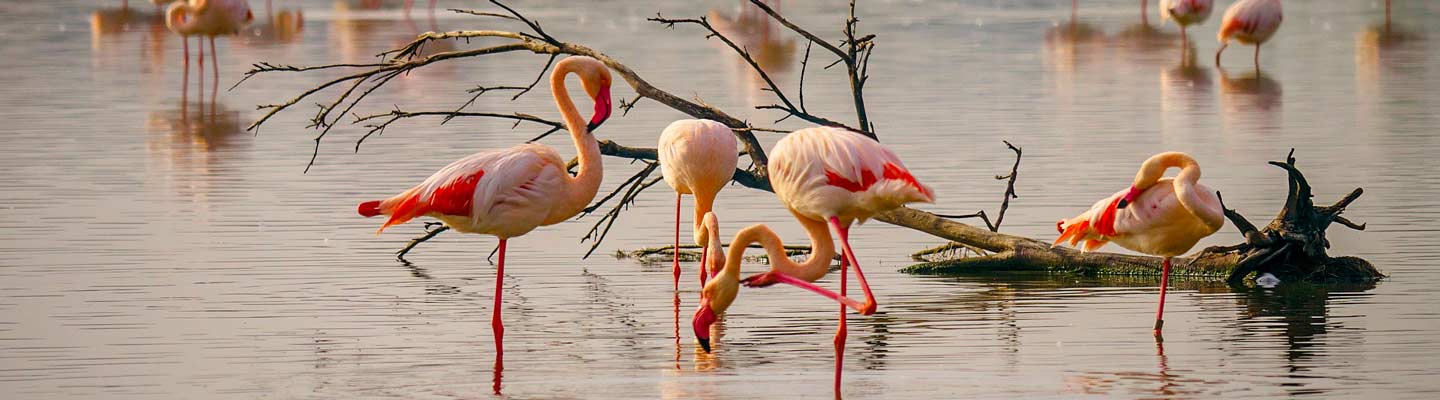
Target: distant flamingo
(208,18)
(1157,216)
(1250,22)
(1185,13)
(697,157)
(821,174)
(506,193)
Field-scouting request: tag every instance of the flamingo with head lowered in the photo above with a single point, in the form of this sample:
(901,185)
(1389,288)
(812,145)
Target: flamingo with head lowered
(506,193)
(1186,13)
(697,157)
(1157,216)
(1251,22)
(823,176)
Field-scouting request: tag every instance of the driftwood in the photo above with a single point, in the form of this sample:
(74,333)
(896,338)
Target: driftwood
(691,253)
(1293,246)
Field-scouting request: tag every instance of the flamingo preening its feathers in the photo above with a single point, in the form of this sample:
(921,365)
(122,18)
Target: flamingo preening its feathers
(1156,215)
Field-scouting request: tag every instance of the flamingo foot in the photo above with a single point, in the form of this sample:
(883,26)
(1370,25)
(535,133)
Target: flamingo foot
(761,280)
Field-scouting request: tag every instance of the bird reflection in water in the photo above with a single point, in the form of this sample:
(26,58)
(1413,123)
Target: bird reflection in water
(1185,85)
(1250,92)
(753,30)
(186,144)
(107,23)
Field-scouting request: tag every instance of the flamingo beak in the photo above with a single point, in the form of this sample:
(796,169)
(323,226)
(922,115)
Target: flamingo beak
(704,317)
(1129,198)
(602,109)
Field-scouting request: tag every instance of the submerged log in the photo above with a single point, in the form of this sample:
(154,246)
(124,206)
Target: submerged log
(1292,247)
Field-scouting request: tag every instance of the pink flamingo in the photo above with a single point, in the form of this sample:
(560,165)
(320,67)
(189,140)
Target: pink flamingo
(822,175)
(1250,22)
(697,157)
(506,193)
(209,18)
(1157,216)
(1186,13)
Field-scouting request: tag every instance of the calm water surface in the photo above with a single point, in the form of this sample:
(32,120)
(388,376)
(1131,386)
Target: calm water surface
(149,249)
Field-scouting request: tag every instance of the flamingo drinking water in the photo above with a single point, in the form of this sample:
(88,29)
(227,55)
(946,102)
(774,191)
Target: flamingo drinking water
(1251,22)
(1157,216)
(506,193)
(823,175)
(1186,13)
(697,157)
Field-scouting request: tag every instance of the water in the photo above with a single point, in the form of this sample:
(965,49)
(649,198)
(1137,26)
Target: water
(154,250)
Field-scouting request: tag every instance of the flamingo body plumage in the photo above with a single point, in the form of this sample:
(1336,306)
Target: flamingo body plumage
(1159,216)
(1250,22)
(697,157)
(1186,13)
(828,172)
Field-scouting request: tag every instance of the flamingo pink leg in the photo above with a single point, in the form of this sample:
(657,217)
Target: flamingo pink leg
(1164,283)
(675,269)
(215,65)
(844,233)
(495,324)
(185,82)
(841,333)
(201,70)
(704,253)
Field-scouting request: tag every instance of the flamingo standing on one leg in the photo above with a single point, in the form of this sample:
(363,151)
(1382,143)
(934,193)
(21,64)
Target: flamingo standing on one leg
(822,175)
(506,193)
(209,18)
(1185,13)
(1250,22)
(1157,216)
(697,157)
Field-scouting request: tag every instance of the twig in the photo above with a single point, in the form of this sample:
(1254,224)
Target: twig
(431,229)
(1005,201)
(786,105)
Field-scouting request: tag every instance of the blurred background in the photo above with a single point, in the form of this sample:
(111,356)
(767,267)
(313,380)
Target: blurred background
(151,247)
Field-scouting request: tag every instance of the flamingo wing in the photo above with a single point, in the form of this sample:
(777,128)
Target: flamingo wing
(470,189)
(830,171)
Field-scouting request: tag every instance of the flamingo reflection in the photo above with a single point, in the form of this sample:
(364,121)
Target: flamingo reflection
(753,30)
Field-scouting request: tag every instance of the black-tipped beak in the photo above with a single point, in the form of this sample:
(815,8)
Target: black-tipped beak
(704,343)
(590,127)
(1122,204)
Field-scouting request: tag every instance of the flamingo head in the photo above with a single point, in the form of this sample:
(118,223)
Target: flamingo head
(717,296)
(1129,197)
(596,80)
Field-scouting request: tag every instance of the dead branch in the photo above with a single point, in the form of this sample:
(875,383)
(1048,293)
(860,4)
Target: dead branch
(1005,200)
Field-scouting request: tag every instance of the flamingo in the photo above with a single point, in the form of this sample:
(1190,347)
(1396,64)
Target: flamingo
(1185,13)
(697,157)
(209,18)
(823,175)
(1251,22)
(1157,216)
(506,193)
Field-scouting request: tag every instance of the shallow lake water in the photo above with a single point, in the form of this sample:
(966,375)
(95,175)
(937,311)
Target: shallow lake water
(152,248)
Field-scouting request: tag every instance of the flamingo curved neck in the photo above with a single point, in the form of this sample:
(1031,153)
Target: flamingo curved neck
(704,203)
(814,267)
(1185,184)
(587,181)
